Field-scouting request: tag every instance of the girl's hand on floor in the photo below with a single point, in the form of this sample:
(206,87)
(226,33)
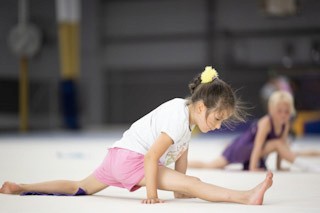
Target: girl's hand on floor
(152,201)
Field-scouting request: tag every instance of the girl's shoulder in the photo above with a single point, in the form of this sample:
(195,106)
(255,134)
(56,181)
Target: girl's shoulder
(175,103)
(175,109)
(265,123)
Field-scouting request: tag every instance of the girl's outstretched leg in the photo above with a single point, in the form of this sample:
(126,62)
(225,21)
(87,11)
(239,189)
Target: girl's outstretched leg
(172,180)
(90,185)
(308,153)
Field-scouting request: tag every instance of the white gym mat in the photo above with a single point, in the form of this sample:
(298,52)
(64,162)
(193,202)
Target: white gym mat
(43,157)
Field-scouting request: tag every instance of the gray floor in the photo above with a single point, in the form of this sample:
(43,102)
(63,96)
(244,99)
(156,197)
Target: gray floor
(33,158)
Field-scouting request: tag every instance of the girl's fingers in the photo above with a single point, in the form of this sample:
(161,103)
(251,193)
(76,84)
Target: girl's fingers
(152,201)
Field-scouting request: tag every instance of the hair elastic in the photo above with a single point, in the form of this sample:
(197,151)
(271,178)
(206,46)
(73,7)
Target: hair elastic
(208,75)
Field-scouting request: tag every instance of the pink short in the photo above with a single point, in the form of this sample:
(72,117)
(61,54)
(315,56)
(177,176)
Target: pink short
(122,168)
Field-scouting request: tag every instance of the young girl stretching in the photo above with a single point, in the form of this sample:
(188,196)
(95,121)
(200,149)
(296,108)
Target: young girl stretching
(159,138)
(269,134)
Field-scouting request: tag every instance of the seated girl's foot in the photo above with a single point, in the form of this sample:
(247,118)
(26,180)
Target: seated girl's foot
(257,194)
(10,188)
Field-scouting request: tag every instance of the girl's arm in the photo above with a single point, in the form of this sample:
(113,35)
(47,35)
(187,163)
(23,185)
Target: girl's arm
(151,159)
(181,166)
(263,129)
(284,139)
(182,163)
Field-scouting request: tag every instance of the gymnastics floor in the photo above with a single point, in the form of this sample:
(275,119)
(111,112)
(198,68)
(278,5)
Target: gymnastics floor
(42,157)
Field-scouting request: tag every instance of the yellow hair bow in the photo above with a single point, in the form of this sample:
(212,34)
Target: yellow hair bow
(208,75)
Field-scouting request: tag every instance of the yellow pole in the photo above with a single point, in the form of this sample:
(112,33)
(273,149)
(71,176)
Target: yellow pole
(69,50)
(68,17)
(23,94)
(75,47)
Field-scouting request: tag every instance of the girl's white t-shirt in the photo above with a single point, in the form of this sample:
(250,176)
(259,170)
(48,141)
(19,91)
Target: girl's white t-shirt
(172,118)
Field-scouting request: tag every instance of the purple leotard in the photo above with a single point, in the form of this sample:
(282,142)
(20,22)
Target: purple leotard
(239,151)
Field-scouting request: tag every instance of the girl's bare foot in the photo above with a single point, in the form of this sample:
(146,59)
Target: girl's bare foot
(257,194)
(10,188)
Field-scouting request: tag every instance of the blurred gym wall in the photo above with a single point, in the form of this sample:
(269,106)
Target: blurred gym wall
(137,54)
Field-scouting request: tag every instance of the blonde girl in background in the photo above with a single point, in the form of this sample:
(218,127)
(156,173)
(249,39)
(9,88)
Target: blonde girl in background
(156,140)
(269,134)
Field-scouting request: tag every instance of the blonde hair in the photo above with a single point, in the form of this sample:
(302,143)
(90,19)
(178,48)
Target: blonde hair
(282,96)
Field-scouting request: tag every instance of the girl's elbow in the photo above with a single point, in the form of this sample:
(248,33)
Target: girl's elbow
(147,157)
(150,158)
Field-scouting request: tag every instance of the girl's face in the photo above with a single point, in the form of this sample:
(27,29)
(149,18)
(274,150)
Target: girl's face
(281,112)
(213,120)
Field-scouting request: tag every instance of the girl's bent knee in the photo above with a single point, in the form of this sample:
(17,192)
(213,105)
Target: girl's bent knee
(191,186)
(194,180)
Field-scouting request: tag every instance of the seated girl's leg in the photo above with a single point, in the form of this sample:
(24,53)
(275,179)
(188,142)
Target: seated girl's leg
(90,185)
(218,163)
(307,153)
(281,148)
(172,180)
